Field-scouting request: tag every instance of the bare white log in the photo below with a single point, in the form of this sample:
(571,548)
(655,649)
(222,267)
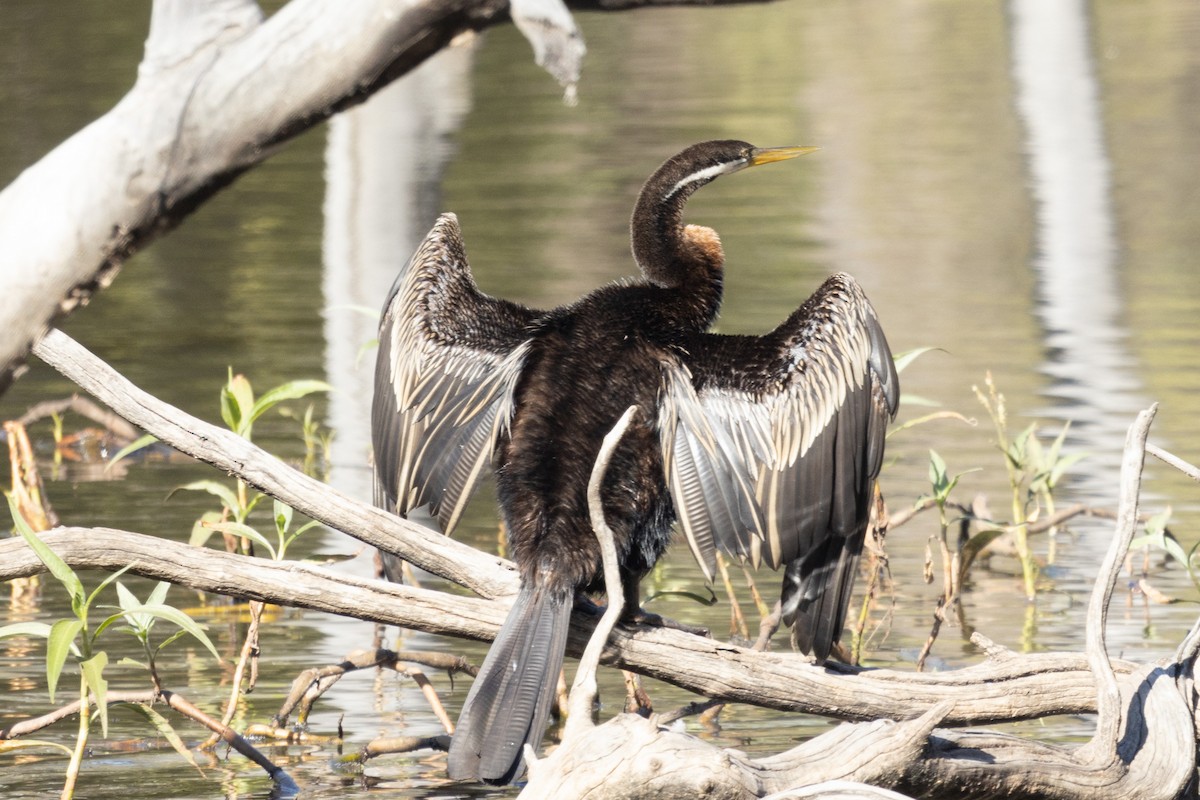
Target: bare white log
(1102,749)
(1178,463)
(1043,683)
(486,575)
(1144,745)
(584,688)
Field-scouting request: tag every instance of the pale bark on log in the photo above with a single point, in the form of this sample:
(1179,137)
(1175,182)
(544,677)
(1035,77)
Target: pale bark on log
(485,575)
(995,690)
(218,90)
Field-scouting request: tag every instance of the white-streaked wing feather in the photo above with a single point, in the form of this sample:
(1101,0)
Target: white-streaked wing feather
(756,456)
(449,358)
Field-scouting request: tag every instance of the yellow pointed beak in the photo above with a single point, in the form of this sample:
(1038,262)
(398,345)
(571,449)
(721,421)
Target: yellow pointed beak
(769,155)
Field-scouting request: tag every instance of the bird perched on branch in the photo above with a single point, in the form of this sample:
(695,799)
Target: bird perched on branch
(764,447)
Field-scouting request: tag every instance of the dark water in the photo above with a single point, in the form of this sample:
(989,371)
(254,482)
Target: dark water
(1013,183)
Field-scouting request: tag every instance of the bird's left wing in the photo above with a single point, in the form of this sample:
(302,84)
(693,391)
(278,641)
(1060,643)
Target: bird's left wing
(771,444)
(449,357)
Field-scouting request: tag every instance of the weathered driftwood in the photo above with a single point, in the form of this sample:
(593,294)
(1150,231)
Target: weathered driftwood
(1145,741)
(773,680)
(995,690)
(483,574)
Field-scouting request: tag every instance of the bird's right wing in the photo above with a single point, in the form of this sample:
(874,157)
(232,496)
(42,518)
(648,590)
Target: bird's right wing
(449,358)
(771,445)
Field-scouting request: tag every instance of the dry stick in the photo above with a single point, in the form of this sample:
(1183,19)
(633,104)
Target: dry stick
(84,408)
(430,693)
(481,573)
(309,685)
(247,654)
(583,689)
(1176,462)
(35,724)
(1103,747)
(235,740)
(176,702)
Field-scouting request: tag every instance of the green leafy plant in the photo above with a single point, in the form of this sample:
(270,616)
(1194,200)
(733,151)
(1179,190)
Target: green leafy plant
(239,410)
(78,636)
(1034,472)
(942,483)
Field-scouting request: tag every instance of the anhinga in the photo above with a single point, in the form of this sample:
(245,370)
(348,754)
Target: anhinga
(765,447)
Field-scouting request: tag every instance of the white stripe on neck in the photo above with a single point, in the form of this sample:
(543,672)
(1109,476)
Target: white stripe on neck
(705,175)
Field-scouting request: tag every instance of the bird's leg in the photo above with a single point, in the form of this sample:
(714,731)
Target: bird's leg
(634,615)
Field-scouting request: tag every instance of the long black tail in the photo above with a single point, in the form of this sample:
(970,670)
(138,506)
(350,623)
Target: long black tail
(510,700)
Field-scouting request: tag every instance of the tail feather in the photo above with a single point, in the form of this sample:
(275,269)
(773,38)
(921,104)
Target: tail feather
(509,703)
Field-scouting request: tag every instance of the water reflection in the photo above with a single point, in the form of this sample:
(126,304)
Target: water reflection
(1079,303)
(383,170)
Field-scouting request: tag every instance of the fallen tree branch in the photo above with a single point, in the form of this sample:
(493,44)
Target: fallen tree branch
(178,703)
(1045,683)
(1004,687)
(484,574)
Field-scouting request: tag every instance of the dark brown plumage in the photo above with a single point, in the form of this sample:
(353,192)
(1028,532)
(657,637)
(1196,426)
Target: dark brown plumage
(764,447)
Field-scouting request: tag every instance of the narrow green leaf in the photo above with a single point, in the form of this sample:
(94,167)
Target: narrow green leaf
(912,423)
(363,349)
(241,529)
(300,530)
(125,598)
(93,674)
(283,517)
(60,642)
(1056,445)
(937,469)
(292,390)
(25,629)
(1169,545)
(219,490)
(92,597)
(902,360)
(202,528)
(132,447)
(139,623)
(237,404)
(159,594)
(8,745)
(1062,465)
(182,620)
(252,504)
(58,568)
(976,545)
(165,642)
(163,726)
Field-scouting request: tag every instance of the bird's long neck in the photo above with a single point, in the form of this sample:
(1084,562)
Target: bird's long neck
(673,255)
